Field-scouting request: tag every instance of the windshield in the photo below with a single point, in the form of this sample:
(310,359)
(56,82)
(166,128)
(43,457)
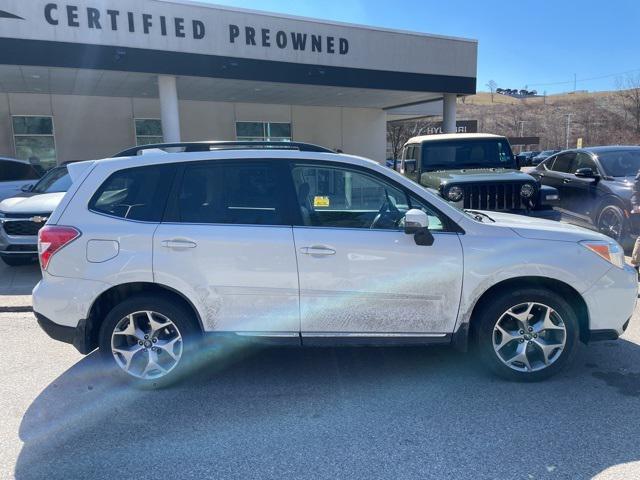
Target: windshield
(620,163)
(55,180)
(455,154)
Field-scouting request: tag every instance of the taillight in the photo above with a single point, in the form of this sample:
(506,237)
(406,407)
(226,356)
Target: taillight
(52,238)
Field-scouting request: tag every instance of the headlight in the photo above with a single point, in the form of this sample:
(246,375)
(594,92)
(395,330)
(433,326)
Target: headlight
(2,215)
(455,194)
(527,191)
(611,252)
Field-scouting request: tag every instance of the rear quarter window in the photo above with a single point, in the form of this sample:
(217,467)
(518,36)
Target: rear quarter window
(138,193)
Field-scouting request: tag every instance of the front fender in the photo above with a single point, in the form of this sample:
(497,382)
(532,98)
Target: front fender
(490,260)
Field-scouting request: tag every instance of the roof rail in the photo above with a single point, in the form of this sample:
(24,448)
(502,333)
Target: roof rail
(223,145)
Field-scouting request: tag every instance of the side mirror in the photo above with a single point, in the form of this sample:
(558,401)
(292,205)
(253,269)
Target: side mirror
(27,188)
(416,223)
(586,173)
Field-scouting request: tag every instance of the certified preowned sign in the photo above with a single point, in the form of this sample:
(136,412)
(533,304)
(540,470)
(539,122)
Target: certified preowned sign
(94,18)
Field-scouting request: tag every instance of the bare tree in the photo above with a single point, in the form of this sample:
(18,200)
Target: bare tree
(492,85)
(629,92)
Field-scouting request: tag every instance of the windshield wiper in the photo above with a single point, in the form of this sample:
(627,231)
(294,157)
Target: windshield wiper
(479,215)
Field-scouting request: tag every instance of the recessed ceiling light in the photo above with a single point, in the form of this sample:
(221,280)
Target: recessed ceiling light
(257,89)
(35,76)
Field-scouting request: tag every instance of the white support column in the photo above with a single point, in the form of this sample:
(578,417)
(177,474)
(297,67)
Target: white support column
(449,113)
(169,111)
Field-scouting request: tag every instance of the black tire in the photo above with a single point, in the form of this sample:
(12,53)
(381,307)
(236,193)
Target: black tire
(609,214)
(493,310)
(17,261)
(182,318)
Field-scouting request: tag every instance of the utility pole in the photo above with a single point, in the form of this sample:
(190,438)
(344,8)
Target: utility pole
(568,115)
(575,81)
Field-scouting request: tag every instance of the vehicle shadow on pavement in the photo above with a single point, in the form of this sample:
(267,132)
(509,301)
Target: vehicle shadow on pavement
(340,413)
(18,280)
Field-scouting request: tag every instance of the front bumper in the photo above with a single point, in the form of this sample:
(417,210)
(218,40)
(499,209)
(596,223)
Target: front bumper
(17,245)
(77,336)
(611,302)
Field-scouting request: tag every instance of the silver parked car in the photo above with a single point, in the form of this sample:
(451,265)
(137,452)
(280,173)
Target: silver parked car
(146,255)
(22,216)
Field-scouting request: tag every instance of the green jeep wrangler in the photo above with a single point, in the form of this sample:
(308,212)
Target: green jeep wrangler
(477,172)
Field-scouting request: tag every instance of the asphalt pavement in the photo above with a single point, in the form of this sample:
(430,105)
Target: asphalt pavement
(276,413)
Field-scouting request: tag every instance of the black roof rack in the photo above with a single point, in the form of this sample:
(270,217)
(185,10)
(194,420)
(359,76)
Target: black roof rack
(223,145)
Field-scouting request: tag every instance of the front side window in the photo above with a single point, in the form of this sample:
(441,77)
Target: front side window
(241,194)
(148,131)
(563,163)
(583,160)
(263,131)
(344,198)
(16,171)
(34,140)
(135,194)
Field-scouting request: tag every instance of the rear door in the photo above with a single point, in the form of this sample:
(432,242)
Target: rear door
(360,274)
(227,243)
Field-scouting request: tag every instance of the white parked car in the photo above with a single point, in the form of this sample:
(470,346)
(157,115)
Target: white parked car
(147,255)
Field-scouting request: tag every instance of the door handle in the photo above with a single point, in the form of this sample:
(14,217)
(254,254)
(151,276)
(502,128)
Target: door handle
(317,250)
(566,180)
(179,244)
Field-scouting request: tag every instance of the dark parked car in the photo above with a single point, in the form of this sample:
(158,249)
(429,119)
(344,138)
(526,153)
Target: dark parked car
(542,156)
(524,158)
(595,185)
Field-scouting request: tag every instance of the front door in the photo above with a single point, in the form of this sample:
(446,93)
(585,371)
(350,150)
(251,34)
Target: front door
(229,244)
(360,274)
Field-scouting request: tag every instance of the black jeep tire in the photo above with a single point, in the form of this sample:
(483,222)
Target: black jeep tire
(18,261)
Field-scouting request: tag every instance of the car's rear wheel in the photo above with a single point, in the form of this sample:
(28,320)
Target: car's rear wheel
(527,335)
(149,339)
(613,223)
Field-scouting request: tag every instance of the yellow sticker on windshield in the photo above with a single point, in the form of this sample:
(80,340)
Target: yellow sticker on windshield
(319,201)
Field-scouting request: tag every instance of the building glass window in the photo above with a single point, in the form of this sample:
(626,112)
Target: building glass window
(34,140)
(271,131)
(148,130)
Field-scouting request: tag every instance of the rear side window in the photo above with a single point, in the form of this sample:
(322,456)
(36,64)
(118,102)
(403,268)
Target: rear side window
(16,171)
(136,193)
(241,194)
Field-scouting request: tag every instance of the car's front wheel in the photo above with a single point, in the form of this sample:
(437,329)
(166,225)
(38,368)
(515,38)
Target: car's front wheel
(527,335)
(612,222)
(149,339)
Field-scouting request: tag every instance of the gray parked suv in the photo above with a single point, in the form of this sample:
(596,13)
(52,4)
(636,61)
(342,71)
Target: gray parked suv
(22,216)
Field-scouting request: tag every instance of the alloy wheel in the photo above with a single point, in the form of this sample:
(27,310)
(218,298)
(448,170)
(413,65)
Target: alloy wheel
(146,345)
(611,224)
(529,337)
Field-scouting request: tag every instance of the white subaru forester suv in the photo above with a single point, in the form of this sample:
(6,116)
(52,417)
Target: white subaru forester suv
(151,253)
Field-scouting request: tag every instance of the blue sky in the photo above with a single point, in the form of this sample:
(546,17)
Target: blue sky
(532,43)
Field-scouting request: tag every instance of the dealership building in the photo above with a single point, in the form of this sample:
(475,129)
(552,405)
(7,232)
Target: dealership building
(84,79)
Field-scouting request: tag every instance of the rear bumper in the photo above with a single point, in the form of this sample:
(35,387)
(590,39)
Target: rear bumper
(76,336)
